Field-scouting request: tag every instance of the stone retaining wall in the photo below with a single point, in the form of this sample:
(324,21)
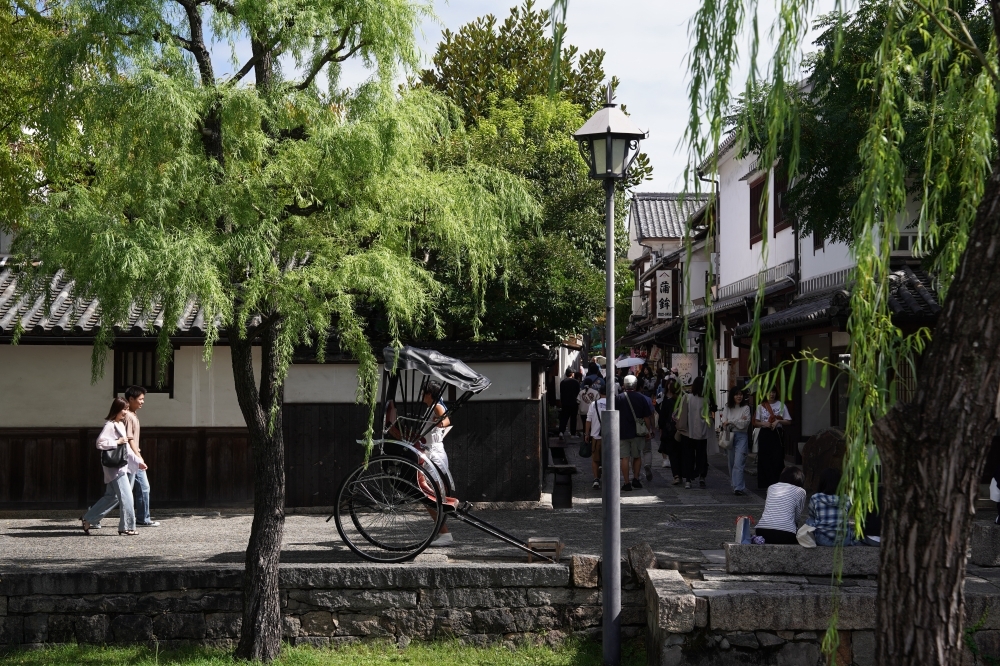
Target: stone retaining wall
(322,604)
(722,619)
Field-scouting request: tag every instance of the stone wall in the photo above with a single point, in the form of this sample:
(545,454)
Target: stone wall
(715,618)
(322,604)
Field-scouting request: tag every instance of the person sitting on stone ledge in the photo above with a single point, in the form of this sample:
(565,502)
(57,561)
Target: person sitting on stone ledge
(826,512)
(786,500)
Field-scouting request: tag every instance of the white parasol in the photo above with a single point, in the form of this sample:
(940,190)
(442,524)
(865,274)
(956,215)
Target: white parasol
(630,362)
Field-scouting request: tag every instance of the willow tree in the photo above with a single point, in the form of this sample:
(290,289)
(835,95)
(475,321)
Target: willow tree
(932,449)
(290,211)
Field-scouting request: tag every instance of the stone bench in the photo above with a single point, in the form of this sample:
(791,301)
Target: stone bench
(799,561)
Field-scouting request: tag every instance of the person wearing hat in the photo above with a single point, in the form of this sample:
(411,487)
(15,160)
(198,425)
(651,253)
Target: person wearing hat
(635,409)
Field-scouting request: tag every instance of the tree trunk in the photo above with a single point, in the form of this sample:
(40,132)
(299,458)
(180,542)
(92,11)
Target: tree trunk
(260,638)
(933,451)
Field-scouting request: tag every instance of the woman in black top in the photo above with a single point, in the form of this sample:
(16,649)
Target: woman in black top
(669,446)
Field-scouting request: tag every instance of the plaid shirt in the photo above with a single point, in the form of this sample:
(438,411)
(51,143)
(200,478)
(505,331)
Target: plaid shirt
(825,513)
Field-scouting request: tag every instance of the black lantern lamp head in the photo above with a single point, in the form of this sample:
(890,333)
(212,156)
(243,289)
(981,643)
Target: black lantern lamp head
(609,142)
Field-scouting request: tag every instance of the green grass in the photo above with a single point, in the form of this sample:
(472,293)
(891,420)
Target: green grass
(572,653)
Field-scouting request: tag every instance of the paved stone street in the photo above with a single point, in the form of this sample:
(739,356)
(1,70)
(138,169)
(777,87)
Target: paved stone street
(679,524)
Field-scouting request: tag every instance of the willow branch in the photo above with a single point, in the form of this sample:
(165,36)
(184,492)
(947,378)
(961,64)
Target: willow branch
(249,64)
(969,45)
(331,56)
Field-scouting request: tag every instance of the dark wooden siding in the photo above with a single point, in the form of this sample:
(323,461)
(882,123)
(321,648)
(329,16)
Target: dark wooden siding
(60,468)
(494,450)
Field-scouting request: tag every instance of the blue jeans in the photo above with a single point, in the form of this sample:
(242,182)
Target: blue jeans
(823,540)
(118,492)
(140,496)
(738,460)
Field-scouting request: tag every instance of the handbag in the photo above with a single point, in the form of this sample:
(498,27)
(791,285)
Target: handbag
(805,536)
(743,524)
(640,424)
(585,449)
(116,457)
(725,437)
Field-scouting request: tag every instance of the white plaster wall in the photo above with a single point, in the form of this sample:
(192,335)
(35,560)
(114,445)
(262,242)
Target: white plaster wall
(833,257)
(816,402)
(510,381)
(334,382)
(738,259)
(49,386)
(338,382)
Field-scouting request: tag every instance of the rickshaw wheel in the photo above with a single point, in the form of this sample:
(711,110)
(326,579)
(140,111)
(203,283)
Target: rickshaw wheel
(382,514)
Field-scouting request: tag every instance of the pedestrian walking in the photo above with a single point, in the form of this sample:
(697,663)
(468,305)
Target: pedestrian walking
(635,427)
(592,429)
(669,446)
(136,397)
(694,444)
(120,465)
(786,500)
(588,395)
(736,418)
(771,418)
(569,390)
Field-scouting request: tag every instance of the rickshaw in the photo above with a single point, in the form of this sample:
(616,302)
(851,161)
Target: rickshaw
(390,508)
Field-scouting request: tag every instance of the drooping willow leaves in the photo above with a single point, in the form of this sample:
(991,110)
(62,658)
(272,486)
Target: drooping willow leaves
(926,67)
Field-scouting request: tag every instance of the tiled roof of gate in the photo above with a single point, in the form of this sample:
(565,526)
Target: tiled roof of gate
(664,214)
(59,312)
(911,297)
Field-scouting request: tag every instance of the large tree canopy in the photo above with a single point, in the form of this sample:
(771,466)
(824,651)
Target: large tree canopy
(291,213)
(499,74)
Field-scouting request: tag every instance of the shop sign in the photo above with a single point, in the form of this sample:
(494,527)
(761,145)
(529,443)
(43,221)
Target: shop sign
(686,366)
(664,294)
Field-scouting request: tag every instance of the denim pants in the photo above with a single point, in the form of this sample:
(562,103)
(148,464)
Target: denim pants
(118,492)
(738,459)
(140,497)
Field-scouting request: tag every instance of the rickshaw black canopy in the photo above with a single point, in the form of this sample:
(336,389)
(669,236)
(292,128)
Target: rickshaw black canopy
(437,365)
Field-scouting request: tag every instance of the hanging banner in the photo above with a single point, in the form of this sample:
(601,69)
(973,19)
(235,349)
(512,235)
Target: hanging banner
(664,294)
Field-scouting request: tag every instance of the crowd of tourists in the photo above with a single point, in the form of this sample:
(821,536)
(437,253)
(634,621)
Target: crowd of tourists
(655,409)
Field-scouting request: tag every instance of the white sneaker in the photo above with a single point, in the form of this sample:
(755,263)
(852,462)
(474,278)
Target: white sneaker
(445,539)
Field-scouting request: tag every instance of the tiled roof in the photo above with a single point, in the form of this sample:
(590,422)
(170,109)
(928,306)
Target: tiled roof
(66,315)
(728,142)
(664,214)
(911,297)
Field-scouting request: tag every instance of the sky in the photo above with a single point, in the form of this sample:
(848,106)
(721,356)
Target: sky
(646,44)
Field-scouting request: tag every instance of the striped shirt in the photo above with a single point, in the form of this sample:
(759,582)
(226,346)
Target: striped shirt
(782,507)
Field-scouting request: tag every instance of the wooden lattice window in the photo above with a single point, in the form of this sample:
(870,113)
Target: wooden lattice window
(139,366)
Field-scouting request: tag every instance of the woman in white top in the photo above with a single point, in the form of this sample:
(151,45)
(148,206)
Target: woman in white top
(786,500)
(736,417)
(118,479)
(771,417)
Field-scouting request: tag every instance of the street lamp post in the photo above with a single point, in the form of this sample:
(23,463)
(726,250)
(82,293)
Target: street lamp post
(609,142)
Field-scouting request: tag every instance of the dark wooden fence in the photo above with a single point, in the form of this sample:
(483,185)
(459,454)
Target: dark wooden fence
(189,467)
(494,451)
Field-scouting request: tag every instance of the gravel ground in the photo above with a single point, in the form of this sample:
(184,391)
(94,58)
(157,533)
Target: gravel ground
(679,524)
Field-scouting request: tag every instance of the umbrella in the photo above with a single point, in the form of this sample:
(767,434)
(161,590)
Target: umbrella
(599,360)
(630,362)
